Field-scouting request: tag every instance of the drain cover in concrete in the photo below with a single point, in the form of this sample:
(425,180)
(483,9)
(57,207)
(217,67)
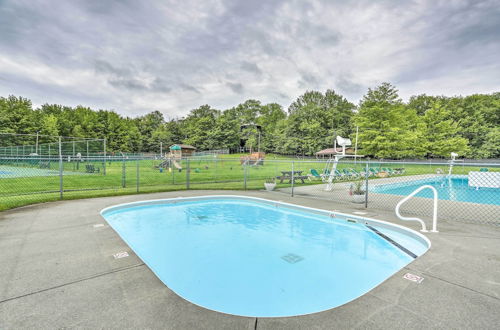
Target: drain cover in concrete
(413,278)
(292,258)
(120,255)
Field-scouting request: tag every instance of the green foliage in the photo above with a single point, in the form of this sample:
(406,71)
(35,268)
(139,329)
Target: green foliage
(387,128)
(440,133)
(491,145)
(425,126)
(314,118)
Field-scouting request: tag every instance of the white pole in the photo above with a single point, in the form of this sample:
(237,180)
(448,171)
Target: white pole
(104,165)
(356,145)
(161,149)
(36,149)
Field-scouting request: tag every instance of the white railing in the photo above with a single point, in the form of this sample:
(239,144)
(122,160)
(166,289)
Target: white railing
(434,213)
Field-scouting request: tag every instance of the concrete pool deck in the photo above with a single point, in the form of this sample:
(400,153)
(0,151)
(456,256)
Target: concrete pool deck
(58,271)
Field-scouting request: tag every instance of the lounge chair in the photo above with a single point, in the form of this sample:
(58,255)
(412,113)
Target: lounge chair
(399,170)
(340,175)
(362,173)
(314,174)
(350,173)
(388,170)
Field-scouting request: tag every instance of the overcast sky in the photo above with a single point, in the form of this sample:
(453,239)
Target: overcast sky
(173,56)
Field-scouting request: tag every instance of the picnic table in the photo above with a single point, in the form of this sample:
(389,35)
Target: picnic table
(89,168)
(287,175)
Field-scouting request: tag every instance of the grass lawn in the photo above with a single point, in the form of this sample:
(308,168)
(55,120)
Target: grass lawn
(144,176)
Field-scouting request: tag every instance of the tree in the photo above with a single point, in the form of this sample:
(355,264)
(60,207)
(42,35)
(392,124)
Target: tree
(225,134)
(314,118)
(421,103)
(491,145)
(383,95)
(16,116)
(271,115)
(49,125)
(197,125)
(439,133)
(308,98)
(387,128)
(431,126)
(147,125)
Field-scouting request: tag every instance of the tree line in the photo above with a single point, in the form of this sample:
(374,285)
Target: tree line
(424,126)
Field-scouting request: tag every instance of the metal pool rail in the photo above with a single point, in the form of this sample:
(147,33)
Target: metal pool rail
(434,212)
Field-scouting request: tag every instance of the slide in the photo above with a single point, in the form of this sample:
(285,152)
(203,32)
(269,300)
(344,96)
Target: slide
(177,165)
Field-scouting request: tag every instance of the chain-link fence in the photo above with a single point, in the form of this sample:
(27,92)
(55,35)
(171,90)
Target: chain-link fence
(466,191)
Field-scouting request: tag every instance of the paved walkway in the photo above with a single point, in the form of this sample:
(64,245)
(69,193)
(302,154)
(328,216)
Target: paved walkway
(58,271)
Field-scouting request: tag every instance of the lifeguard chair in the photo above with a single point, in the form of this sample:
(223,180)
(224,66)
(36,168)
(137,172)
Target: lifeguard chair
(333,162)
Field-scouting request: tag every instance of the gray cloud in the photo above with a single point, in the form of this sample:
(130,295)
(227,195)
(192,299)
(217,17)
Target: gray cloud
(136,56)
(160,85)
(251,67)
(102,66)
(308,80)
(348,85)
(189,88)
(132,84)
(236,87)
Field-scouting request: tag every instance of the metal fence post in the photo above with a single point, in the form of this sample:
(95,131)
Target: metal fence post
(137,174)
(293,176)
(60,171)
(187,173)
(104,165)
(366,185)
(215,169)
(124,173)
(171,167)
(245,175)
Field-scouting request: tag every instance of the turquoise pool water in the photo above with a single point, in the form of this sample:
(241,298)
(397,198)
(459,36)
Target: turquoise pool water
(452,189)
(252,258)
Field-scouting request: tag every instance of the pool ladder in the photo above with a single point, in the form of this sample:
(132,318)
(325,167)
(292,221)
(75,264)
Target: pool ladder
(434,213)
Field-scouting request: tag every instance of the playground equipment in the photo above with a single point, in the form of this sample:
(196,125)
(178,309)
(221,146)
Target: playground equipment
(169,163)
(255,158)
(172,158)
(343,142)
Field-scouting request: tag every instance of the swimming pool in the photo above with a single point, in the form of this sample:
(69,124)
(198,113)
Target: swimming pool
(452,189)
(260,258)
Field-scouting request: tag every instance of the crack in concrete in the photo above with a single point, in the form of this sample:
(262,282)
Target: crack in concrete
(452,283)
(73,282)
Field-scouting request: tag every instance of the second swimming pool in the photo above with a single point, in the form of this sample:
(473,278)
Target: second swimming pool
(452,189)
